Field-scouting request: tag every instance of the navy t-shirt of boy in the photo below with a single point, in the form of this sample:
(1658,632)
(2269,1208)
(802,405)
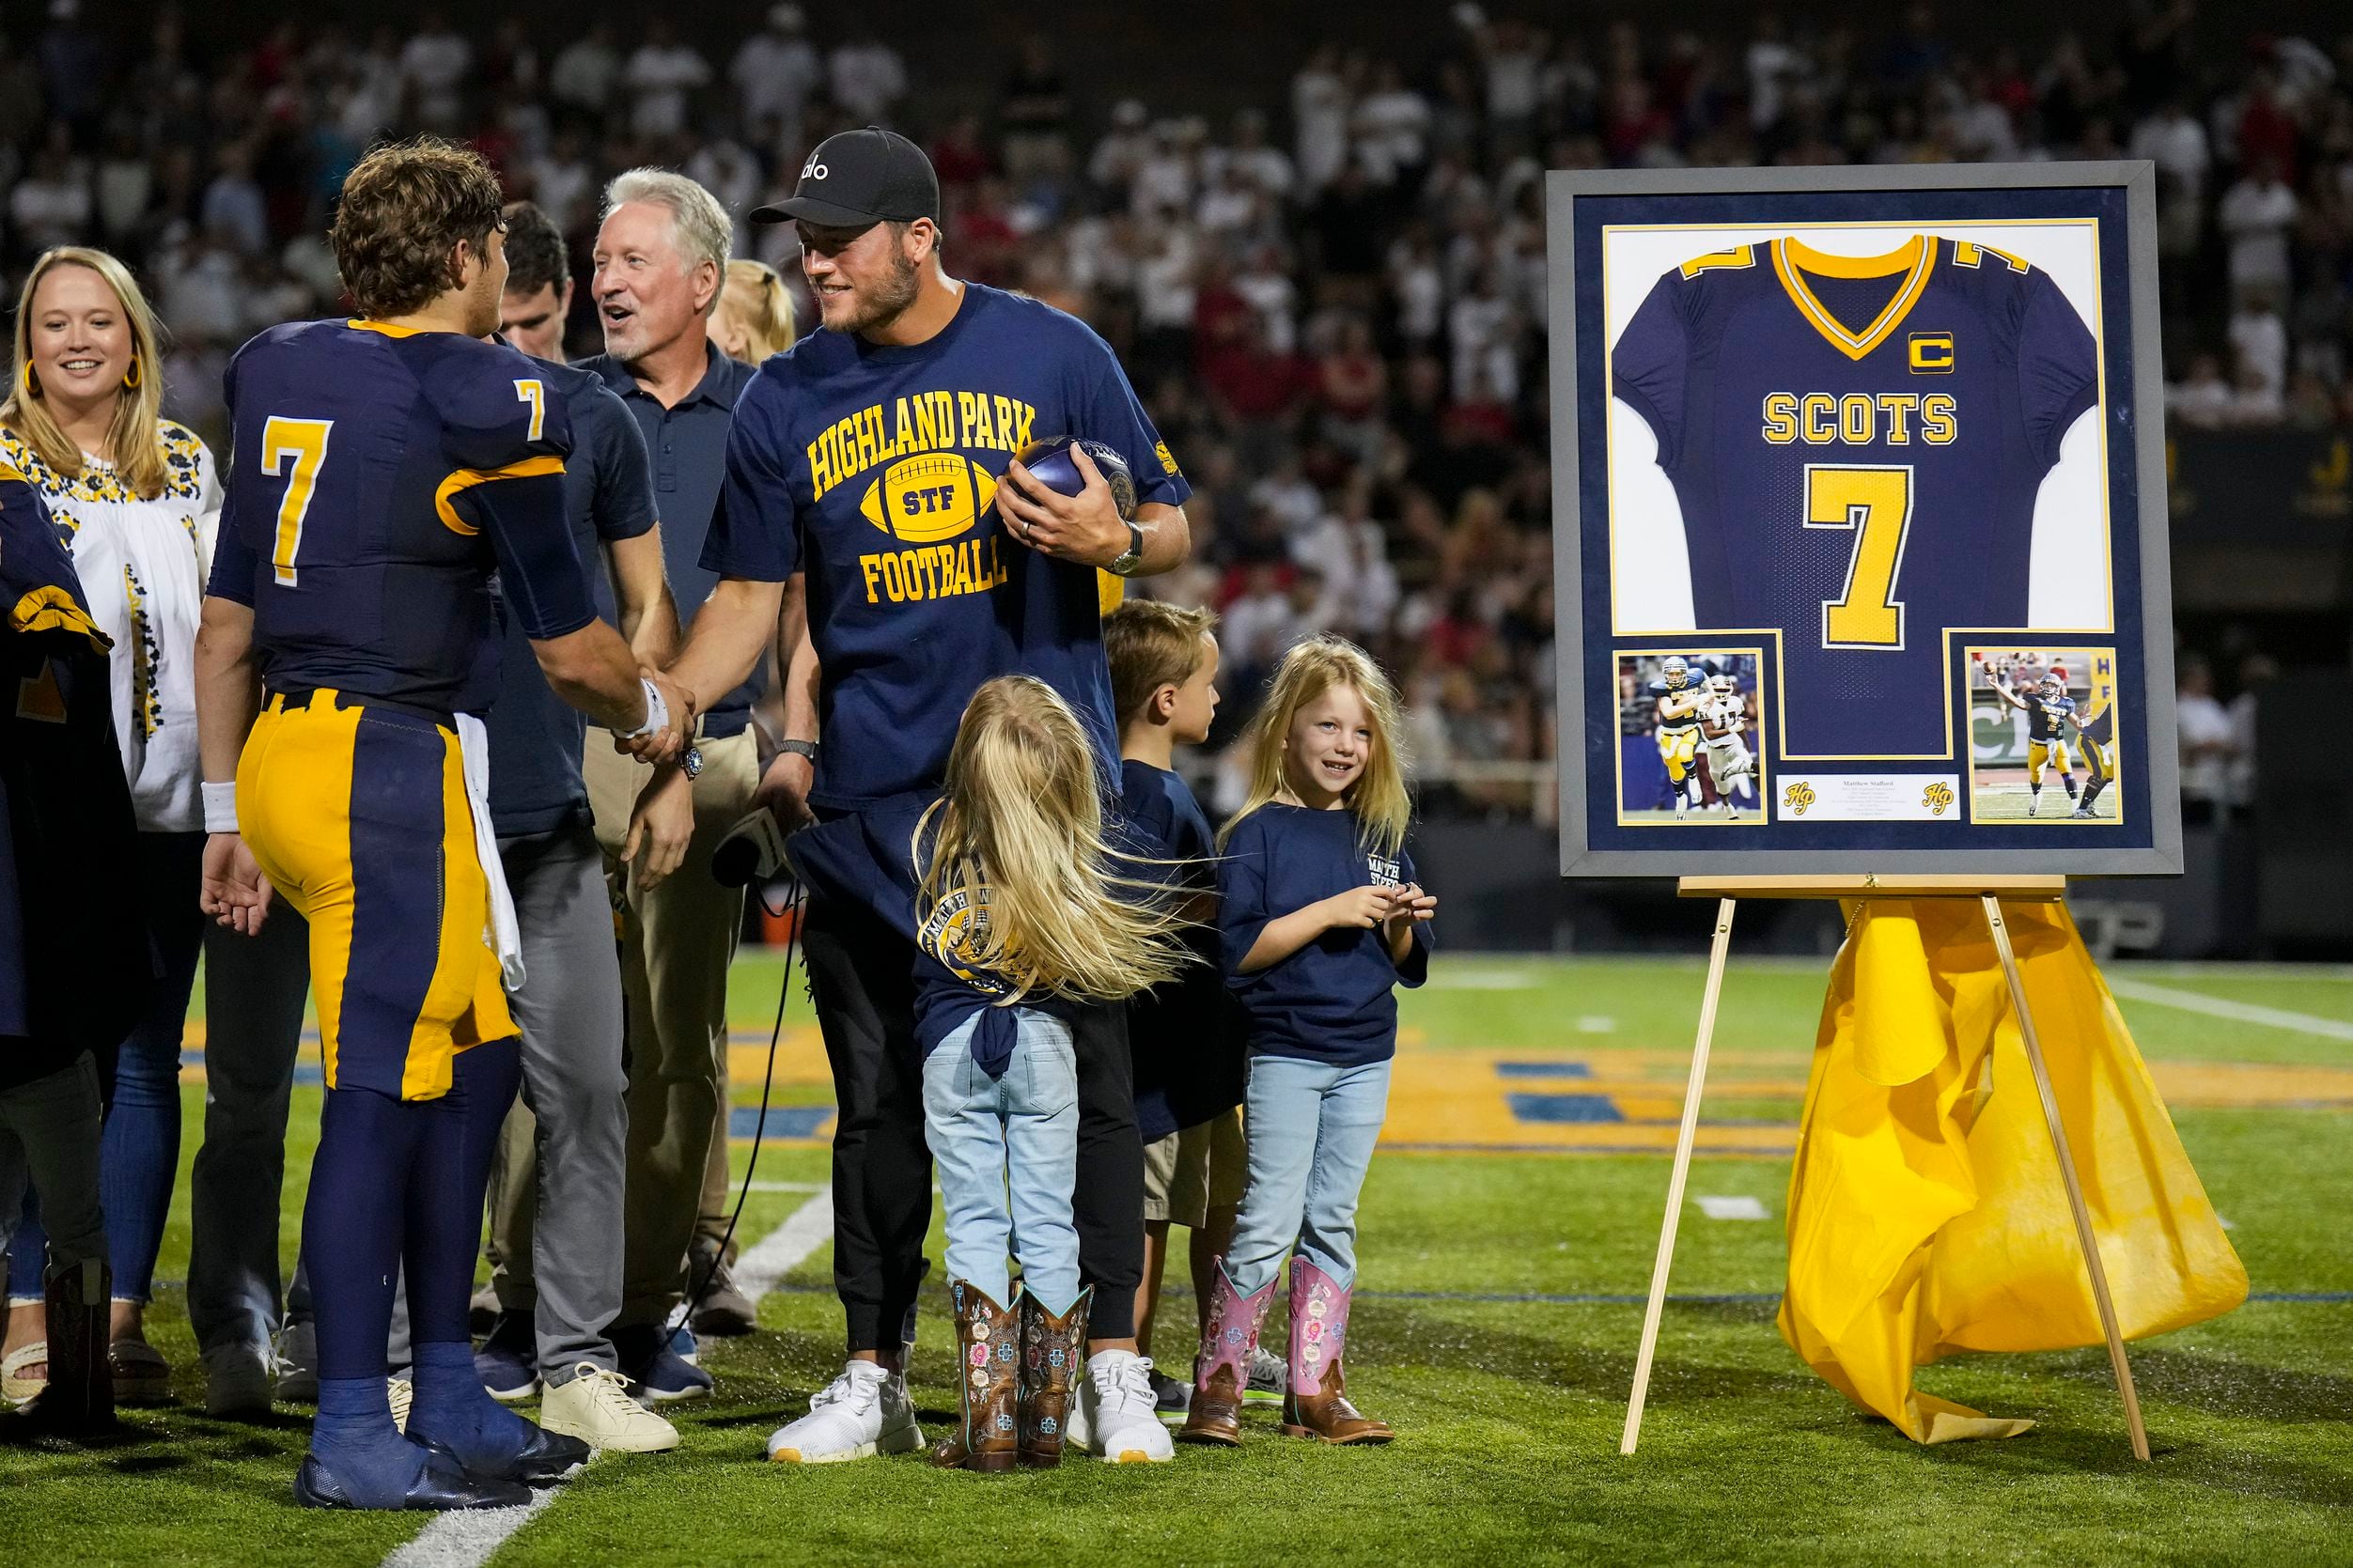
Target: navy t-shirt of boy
(1185,1036)
(875,468)
(1333,1001)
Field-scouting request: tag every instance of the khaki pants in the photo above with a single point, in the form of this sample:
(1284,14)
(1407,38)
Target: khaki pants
(677,942)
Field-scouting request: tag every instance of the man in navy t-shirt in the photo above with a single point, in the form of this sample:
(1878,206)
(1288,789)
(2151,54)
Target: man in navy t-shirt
(877,456)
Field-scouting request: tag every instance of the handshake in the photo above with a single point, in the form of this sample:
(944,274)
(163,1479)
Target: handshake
(668,726)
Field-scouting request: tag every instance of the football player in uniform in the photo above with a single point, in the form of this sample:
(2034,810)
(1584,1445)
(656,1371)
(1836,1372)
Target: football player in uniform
(2096,743)
(2047,706)
(1679,693)
(387,467)
(1723,714)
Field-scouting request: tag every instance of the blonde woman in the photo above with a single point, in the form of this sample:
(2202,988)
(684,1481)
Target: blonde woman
(1021,914)
(1319,919)
(754,318)
(135,499)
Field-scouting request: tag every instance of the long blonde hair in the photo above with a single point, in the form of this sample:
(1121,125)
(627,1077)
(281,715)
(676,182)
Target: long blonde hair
(1019,829)
(755,297)
(1383,808)
(133,443)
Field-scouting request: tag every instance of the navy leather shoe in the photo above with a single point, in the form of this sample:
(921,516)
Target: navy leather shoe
(546,1457)
(442,1486)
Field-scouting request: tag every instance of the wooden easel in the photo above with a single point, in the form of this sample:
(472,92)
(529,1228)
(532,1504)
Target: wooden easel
(1990,891)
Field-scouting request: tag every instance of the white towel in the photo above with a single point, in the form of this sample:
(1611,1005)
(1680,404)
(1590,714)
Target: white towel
(506,932)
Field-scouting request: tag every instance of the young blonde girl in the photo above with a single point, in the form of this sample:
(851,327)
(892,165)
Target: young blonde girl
(1319,919)
(1021,914)
(755,318)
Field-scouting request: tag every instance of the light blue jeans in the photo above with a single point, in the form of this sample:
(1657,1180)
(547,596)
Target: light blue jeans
(1311,1126)
(1028,1120)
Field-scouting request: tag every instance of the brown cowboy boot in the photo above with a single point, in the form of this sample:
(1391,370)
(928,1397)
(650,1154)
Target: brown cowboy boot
(987,1338)
(1317,1403)
(79,1398)
(1221,1371)
(1051,1350)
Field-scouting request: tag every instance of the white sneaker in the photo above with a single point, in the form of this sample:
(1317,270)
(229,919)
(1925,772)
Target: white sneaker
(596,1407)
(1117,1417)
(298,1363)
(237,1379)
(864,1412)
(402,1393)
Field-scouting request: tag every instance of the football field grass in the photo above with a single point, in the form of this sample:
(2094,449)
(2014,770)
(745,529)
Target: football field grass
(1508,1231)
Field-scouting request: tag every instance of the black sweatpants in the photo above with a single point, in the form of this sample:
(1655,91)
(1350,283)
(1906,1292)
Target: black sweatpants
(862,978)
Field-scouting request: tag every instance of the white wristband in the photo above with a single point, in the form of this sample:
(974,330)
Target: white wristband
(657,712)
(220,807)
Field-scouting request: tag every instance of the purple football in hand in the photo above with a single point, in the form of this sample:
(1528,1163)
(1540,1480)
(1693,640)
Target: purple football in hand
(1052,462)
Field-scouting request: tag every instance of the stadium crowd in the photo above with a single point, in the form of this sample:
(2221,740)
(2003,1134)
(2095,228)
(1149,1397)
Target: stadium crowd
(1332,304)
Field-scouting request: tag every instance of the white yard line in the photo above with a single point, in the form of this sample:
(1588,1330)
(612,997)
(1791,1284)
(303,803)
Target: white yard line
(2237,1012)
(466,1540)
(470,1539)
(786,1248)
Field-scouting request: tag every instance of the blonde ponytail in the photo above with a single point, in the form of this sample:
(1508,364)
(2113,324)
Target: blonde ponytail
(1018,831)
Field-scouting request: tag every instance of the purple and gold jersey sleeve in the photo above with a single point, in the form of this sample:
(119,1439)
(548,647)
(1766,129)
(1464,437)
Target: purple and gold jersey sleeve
(505,433)
(2057,364)
(1650,367)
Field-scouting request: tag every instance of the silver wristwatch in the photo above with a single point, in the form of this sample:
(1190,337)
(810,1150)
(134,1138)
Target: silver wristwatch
(1133,557)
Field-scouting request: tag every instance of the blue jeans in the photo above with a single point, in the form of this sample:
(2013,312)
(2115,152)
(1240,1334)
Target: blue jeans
(1028,1119)
(1311,1127)
(139,1158)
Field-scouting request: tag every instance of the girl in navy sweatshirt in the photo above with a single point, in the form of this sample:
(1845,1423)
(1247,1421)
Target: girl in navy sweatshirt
(1318,918)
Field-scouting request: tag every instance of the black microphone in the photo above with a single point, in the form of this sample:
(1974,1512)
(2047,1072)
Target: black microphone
(753,851)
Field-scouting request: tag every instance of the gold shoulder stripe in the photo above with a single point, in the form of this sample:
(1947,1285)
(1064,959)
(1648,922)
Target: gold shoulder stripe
(445,493)
(50,608)
(1737,256)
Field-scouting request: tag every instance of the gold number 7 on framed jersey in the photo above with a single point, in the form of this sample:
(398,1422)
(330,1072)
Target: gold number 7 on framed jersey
(1876,504)
(304,441)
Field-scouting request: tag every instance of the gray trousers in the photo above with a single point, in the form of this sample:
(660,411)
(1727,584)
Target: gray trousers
(49,1137)
(254,988)
(559,1179)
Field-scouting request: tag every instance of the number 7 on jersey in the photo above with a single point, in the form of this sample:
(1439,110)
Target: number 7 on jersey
(1876,504)
(304,443)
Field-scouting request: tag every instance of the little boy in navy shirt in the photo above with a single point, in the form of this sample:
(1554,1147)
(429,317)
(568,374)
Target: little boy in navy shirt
(1184,1037)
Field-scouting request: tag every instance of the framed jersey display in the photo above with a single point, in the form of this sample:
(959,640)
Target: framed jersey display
(1859,526)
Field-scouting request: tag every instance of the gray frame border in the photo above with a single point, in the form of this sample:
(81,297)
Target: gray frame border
(2146,402)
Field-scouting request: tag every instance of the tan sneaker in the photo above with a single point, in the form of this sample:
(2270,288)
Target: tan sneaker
(596,1407)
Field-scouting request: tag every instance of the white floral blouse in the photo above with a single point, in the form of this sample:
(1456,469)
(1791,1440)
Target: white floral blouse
(142,566)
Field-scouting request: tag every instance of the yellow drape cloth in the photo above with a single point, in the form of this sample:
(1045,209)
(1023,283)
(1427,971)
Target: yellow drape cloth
(1927,1213)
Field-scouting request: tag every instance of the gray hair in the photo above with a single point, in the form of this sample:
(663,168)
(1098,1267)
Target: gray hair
(702,228)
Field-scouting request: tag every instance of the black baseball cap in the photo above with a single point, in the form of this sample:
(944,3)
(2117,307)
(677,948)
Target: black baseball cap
(858,179)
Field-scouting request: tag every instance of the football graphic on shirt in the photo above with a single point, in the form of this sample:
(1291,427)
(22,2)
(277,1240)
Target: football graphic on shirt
(929,497)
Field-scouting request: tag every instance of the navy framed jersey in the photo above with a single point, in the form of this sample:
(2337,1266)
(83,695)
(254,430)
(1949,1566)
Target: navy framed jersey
(1856,454)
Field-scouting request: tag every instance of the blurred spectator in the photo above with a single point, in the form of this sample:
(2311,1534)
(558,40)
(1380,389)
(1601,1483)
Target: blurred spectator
(434,65)
(868,77)
(586,71)
(2257,213)
(657,76)
(774,71)
(2209,743)
(1035,113)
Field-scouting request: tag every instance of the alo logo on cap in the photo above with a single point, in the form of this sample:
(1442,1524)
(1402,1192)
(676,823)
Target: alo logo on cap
(813,169)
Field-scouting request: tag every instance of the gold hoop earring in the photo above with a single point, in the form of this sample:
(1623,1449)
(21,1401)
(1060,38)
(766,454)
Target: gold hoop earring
(132,378)
(25,379)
